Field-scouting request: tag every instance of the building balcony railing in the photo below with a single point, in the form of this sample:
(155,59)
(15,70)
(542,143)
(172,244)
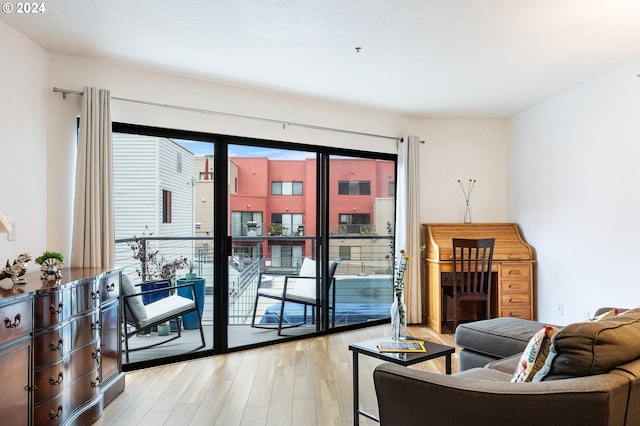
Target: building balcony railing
(253,257)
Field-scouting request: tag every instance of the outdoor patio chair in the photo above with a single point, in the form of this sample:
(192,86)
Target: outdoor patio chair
(138,317)
(299,289)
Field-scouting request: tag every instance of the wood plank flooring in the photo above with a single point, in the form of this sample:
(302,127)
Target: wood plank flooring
(307,382)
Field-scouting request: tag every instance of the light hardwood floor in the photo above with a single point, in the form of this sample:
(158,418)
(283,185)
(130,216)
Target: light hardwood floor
(307,382)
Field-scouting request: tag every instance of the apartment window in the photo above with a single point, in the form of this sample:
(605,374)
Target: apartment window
(350,252)
(286,188)
(392,189)
(205,176)
(285,223)
(242,221)
(166,206)
(355,223)
(354,187)
(286,256)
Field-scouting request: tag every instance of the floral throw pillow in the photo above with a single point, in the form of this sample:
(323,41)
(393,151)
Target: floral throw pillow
(534,355)
(607,314)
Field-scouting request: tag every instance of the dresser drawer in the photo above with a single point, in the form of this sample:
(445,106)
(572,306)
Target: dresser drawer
(16,320)
(520,271)
(85,330)
(515,286)
(85,360)
(515,300)
(86,297)
(110,287)
(515,312)
(52,308)
(51,347)
(54,412)
(76,394)
(50,382)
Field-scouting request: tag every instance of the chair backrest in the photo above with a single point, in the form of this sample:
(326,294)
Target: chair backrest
(132,306)
(306,284)
(472,260)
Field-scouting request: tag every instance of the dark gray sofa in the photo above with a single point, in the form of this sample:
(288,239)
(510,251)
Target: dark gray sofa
(594,379)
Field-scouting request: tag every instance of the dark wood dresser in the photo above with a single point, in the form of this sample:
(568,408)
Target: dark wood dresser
(60,347)
(512,266)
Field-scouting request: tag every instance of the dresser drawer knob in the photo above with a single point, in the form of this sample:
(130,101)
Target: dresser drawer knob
(55,382)
(12,324)
(55,347)
(96,355)
(95,295)
(55,415)
(96,383)
(96,325)
(55,310)
(111,287)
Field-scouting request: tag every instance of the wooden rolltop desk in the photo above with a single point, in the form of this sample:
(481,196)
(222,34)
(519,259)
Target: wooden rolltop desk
(512,266)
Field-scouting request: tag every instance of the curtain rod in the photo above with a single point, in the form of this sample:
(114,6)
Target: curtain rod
(65,92)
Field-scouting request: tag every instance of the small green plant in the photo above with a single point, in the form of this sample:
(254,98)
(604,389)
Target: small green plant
(276,229)
(192,267)
(50,255)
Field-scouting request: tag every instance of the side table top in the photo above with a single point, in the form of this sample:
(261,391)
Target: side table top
(433,350)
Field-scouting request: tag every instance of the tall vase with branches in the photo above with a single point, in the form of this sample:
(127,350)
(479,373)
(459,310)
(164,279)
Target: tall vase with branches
(467,197)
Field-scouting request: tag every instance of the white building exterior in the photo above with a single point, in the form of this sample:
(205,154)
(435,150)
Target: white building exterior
(145,169)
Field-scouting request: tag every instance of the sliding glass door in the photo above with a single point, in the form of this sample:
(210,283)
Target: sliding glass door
(237,220)
(164,205)
(361,224)
(272,210)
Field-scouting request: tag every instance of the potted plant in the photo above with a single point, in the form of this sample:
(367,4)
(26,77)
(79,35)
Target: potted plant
(51,262)
(163,329)
(191,275)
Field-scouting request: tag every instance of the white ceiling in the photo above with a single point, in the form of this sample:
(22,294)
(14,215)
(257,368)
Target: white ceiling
(489,58)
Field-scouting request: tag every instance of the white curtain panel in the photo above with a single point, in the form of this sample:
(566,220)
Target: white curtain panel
(408,223)
(93,216)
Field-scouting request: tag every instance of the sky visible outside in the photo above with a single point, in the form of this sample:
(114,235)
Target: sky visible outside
(201,149)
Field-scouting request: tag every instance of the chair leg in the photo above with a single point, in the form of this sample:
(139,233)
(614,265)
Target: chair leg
(444,302)
(201,330)
(281,316)
(255,309)
(455,315)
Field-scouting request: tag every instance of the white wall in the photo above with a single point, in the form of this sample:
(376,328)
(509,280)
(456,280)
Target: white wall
(463,149)
(574,174)
(23,148)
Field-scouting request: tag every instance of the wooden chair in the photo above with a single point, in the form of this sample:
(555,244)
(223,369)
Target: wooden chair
(472,259)
(138,317)
(299,289)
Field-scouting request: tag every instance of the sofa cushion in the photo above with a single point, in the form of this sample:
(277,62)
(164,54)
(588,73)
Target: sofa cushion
(595,347)
(533,358)
(497,337)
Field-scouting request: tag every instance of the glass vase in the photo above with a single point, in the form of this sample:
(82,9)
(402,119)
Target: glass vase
(398,319)
(467,212)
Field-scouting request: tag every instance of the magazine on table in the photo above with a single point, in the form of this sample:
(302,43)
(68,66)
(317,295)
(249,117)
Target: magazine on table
(401,346)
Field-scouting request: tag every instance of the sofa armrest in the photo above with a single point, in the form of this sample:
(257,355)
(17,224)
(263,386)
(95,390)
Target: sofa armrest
(484,396)
(506,365)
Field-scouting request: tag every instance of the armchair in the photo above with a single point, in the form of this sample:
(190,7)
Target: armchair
(299,289)
(137,316)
